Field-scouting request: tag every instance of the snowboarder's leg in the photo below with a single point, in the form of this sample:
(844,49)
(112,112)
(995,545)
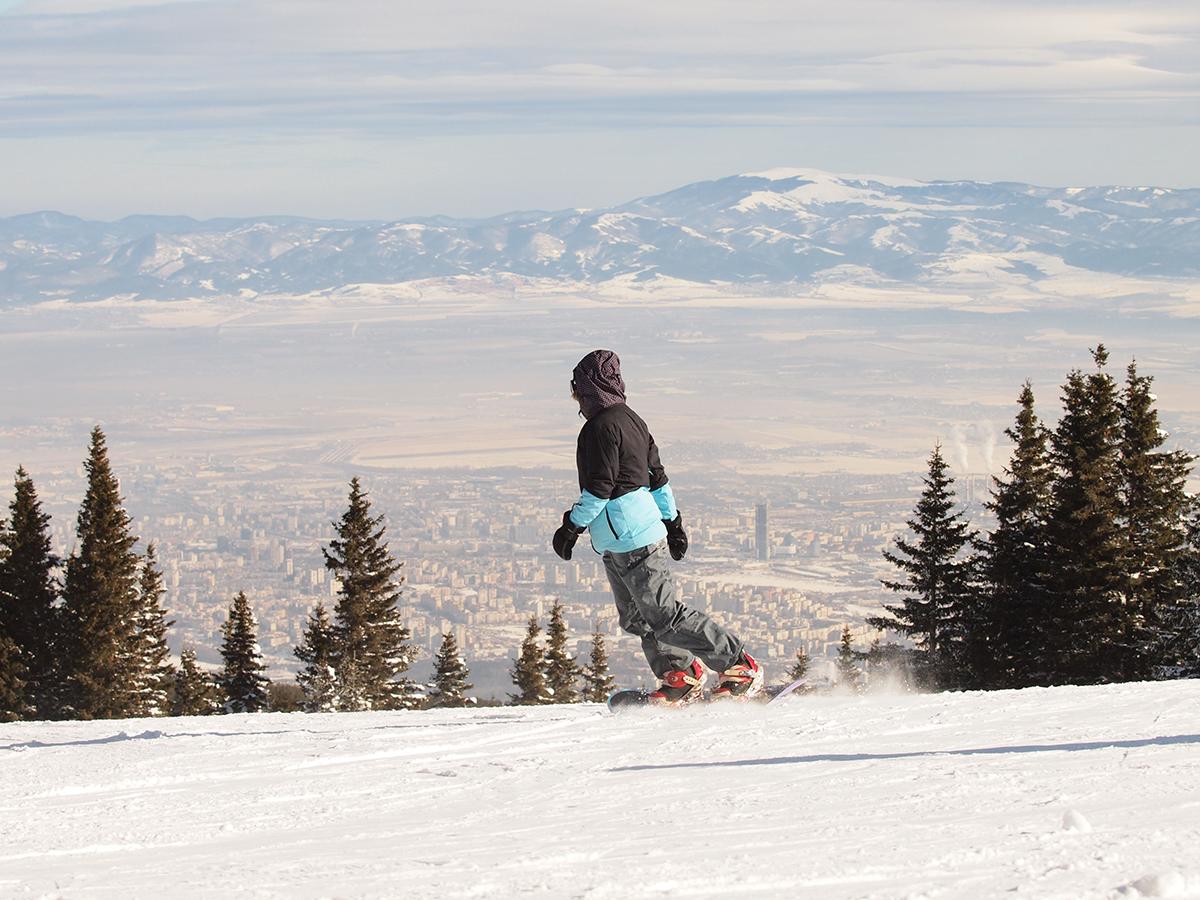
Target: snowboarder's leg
(662,658)
(646,581)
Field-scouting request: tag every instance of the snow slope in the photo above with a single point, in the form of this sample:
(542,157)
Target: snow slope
(1068,792)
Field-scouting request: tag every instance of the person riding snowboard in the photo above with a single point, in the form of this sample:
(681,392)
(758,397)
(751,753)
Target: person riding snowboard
(628,506)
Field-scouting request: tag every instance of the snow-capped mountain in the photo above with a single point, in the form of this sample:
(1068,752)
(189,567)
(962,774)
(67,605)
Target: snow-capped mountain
(780,226)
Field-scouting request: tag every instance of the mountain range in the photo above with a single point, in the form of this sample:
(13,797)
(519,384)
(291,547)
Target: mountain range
(784,226)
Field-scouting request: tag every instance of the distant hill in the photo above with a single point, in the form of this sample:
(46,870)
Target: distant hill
(781,226)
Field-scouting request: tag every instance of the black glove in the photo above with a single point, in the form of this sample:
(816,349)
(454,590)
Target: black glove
(677,541)
(564,539)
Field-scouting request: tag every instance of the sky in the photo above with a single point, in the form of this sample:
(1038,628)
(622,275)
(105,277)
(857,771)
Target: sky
(376,109)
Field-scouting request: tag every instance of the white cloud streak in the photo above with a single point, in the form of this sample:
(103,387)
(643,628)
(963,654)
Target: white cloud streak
(186,64)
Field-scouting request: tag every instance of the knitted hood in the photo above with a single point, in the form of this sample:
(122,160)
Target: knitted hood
(598,382)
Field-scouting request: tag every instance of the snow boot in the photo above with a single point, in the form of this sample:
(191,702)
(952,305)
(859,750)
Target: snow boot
(740,681)
(680,687)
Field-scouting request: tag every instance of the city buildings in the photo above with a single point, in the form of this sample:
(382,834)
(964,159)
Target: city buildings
(477,557)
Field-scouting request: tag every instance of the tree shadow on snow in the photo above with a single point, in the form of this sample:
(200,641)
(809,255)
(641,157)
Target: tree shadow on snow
(1164,741)
(154,735)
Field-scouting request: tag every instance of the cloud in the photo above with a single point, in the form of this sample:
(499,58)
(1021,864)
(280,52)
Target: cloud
(77,7)
(209,66)
(235,72)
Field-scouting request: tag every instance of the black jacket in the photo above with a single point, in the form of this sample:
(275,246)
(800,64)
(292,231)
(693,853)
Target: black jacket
(615,454)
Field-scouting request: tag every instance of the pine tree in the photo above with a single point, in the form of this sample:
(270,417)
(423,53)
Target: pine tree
(1003,637)
(598,683)
(450,676)
(528,673)
(12,682)
(242,680)
(1189,560)
(153,673)
(799,668)
(1088,634)
(28,597)
(873,663)
(318,678)
(372,644)
(888,662)
(849,674)
(562,671)
(194,693)
(100,595)
(1181,646)
(1153,517)
(938,583)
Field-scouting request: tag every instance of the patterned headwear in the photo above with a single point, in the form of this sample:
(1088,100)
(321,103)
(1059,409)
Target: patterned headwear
(597,382)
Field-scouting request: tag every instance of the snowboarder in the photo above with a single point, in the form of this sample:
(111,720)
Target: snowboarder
(628,506)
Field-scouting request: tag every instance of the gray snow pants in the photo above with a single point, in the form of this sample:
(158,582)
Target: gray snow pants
(648,606)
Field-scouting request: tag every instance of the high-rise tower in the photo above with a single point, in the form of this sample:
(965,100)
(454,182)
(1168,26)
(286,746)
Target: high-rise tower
(762,545)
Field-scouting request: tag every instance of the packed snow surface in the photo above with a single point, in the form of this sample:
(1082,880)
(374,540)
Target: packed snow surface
(1047,793)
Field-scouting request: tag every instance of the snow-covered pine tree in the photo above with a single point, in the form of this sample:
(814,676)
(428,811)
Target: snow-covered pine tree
(1004,640)
(318,678)
(450,676)
(800,667)
(562,671)
(100,597)
(849,675)
(938,579)
(13,704)
(153,673)
(194,693)
(1153,517)
(28,596)
(598,682)
(1088,632)
(373,649)
(529,671)
(242,680)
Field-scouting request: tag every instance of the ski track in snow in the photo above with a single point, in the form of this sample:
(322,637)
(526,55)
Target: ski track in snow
(1048,793)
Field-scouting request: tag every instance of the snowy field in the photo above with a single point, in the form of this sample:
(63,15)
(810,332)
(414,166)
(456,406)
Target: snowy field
(1069,792)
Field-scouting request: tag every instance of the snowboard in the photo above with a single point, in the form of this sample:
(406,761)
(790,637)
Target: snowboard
(636,698)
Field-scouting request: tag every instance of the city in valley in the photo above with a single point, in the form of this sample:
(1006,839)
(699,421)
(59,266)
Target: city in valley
(786,563)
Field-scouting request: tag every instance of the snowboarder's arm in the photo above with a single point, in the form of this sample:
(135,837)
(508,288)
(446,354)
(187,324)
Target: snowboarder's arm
(600,465)
(586,508)
(660,488)
(664,497)
(600,461)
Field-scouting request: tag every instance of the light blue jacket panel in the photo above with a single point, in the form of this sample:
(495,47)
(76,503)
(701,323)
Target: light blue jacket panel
(665,498)
(626,523)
